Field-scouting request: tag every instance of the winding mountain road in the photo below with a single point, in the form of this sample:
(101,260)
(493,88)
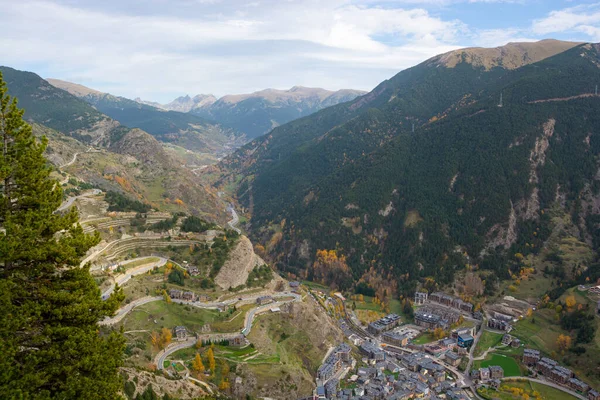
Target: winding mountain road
(235,219)
(69,201)
(124,278)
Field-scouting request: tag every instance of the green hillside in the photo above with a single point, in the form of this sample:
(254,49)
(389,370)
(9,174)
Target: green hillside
(470,177)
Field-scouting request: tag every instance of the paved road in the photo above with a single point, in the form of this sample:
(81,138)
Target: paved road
(122,279)
(250,315)
(69,201)
(548,383)
(176,346)
(123,311)
(234,219)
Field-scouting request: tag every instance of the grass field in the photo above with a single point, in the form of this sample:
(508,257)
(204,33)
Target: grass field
(508,364)
(423,339)
(173,314)
(137,263)
(488,339)
(504,392)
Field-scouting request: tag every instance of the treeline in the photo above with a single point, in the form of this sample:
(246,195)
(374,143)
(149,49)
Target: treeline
(119,202)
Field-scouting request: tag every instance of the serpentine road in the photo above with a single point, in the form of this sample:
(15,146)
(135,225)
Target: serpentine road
(235,219)
(69,201)
(124,278)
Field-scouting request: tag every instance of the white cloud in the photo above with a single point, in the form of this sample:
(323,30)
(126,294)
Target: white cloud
(578,18)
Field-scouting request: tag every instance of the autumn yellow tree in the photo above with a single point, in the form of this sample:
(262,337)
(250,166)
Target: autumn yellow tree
(155,338)
(198,344)
(224,385)
(529,312)
(438,333)
(563,342)
(570,301)
(197,363)
(166,297)
(166,336)
(211,360)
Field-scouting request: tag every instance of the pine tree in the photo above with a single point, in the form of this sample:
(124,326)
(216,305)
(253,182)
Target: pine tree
(49,339)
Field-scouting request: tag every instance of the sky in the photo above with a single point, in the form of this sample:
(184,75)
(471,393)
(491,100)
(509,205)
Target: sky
(161,49)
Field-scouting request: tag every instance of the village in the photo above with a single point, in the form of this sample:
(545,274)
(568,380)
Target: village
(391,363)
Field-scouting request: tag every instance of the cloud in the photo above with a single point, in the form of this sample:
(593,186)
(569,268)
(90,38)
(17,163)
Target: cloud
(584,19)
(221,47)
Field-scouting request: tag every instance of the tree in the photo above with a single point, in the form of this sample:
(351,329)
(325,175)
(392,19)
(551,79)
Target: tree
(563,342)
(197,363)
(570,301)
(211,360)
(529,312)
(224,385)
(50,305)
(438,333)
(166,297)
(166,336)
(155,338)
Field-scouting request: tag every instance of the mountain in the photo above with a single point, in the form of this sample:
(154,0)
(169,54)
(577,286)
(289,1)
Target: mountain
(257,113)
(186,130)
(98,150)
(446,164)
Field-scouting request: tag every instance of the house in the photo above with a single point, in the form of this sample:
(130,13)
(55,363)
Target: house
(531,356)
(188,296)
(484,374)
(203,297)
(515,343)
(237,341)
(560,374)
(294,286)
(496,372)
(175,294)
(180,332)
(420,298)
(193,270)
(452,358)
(458,331)
(384,324)
(371,351)
(507,339)
(264,300)
(465,340)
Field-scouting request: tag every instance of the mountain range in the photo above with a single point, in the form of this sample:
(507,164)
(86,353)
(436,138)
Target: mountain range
(183,129)
(466,158)
(257,113)
(97,149)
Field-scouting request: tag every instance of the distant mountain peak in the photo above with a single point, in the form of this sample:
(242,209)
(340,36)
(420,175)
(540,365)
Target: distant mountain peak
(510,56)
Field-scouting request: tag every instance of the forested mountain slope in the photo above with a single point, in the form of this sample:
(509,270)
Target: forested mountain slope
(469,185)
(184,129)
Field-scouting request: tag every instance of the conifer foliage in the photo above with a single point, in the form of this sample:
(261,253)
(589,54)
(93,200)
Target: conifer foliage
(50,345)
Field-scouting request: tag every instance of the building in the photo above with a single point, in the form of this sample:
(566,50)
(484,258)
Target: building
(545,365)
(175,294)
(496,372)
(578,385)
(193,270)
(203,297)
(188,296)
(499,324)
(426,320)
(180,332)
(395,339)
(372,352)
(460,331)
(507,339)
(465,340)
(453,358)
(294,286)
(420,298)
(264,300)
(531,356)
(384,324)
(593,395)
(560,374)
(237,341)
(515,343)
(450,301)
(484,374)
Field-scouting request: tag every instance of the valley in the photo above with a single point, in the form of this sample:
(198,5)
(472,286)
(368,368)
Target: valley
(436,237)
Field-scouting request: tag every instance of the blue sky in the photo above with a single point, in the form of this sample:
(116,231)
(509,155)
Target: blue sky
(160,49)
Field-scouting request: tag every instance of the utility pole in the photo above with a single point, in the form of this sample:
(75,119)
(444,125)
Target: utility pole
(596,90)
(413,127)
(500,104)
